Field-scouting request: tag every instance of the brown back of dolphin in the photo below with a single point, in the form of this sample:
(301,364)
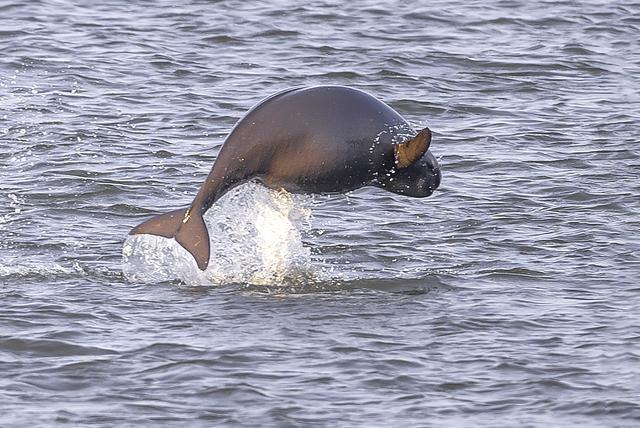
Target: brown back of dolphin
(187,226)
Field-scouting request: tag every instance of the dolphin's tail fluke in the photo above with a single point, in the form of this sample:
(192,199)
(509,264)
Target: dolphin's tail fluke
(186,226)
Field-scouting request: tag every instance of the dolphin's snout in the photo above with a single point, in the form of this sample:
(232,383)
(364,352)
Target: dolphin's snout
(435,174)
(437,178)
(418,180)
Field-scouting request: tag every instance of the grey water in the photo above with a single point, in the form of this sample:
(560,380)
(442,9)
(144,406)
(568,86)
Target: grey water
(508,298)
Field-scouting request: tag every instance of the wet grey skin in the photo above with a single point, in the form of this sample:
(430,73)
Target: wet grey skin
(323,139)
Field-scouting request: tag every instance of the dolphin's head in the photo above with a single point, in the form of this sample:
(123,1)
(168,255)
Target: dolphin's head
(418,180)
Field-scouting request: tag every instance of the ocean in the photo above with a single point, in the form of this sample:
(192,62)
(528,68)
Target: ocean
(508,298)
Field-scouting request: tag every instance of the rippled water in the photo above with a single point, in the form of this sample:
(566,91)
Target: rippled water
(509,298)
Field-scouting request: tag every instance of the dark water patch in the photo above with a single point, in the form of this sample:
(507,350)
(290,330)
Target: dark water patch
(48,348)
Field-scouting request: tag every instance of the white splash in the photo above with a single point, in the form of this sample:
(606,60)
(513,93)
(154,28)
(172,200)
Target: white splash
(15,266)
(255,238)
(15,203)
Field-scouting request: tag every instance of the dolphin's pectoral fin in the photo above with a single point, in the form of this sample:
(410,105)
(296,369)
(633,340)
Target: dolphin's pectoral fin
(410,151)
(186,226)
(194,237)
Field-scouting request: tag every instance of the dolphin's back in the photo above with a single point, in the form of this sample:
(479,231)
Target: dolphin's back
(320,139)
